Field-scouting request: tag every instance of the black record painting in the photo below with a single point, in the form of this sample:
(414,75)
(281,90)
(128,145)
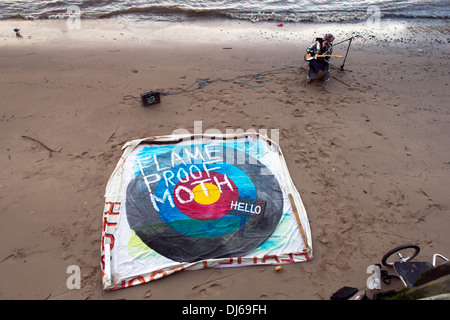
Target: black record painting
(203,208)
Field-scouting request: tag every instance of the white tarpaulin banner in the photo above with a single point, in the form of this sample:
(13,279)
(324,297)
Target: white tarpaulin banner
(187,202)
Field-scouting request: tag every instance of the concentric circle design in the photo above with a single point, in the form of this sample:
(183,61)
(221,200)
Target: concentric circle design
(208,200)
(203,209)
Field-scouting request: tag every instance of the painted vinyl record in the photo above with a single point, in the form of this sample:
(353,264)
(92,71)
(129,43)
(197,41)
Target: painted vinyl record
(203,209)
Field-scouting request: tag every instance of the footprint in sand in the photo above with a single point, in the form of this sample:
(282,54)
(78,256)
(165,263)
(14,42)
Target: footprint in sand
(408,151)
(310,129)
(212,290)
(299,113)
(366,118)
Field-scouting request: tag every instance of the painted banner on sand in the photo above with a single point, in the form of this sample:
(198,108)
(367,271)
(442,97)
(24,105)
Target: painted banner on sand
(187,202)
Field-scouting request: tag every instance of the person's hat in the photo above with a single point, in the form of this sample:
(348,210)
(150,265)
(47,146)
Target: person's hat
(328,37)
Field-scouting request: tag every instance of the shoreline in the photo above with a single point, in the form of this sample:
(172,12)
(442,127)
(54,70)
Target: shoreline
(368,155)
(392,33)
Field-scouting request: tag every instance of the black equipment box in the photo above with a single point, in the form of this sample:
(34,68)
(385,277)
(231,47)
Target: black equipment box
(150,97)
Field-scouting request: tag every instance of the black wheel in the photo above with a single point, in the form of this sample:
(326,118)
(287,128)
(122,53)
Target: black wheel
(402,253)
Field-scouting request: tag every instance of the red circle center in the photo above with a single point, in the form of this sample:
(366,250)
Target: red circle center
(184,200)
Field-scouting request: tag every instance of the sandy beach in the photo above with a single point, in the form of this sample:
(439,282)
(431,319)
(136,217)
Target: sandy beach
(369,154)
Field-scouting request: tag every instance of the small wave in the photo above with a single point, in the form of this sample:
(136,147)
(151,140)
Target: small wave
(300,16)
(159,11)
(251,10)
